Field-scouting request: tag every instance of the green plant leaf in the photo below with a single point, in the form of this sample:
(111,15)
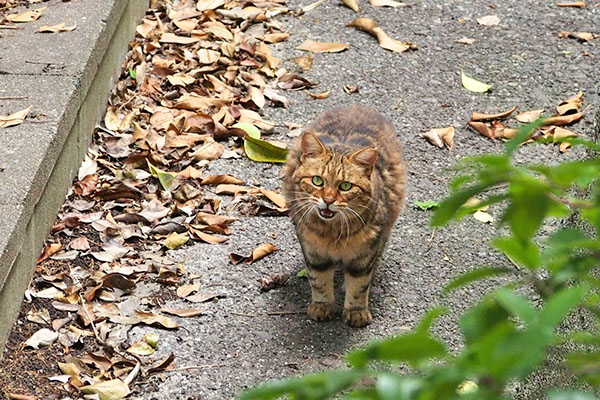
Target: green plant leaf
(310,387)
(517,306)
(426,205)
(303,273)
(523,252)
(132,73)
(262,151)
(475,275)
(165,178)
(250,129)
(558,306)
(394,387)
(450,206)
(472,84)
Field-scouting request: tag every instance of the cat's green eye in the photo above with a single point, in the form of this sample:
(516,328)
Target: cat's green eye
(345,186)
(317,181)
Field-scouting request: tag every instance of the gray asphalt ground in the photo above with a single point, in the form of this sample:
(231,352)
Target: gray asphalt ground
(247,337)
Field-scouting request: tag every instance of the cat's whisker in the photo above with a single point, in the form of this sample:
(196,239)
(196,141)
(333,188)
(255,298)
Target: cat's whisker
(357,215)
(302,207)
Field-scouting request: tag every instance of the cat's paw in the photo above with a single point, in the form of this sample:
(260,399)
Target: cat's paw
(357,318)
(321,311)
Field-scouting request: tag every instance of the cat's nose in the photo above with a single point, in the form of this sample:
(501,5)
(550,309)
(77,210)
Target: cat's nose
(329,200)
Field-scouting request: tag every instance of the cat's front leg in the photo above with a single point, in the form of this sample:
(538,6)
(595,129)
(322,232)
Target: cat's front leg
(322,307)
(356,303)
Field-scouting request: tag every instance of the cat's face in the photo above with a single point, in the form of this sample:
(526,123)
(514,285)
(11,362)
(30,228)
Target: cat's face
(330,184)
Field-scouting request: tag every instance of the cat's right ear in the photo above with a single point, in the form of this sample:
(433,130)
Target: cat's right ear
(311,146)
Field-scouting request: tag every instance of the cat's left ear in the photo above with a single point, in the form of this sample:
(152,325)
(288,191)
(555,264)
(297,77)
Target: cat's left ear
(366,158)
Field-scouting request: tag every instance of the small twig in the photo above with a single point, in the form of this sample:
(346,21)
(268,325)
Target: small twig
(284,312)
(8,27)
(432,235)
(13,97)
(200,367)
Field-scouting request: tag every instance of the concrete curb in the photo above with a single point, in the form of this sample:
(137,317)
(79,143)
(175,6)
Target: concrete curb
(67,78)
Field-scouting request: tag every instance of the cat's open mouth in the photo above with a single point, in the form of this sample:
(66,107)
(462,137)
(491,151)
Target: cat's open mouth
(326,213)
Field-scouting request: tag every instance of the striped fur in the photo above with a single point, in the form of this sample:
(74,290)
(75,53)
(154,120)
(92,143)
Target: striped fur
(356,145)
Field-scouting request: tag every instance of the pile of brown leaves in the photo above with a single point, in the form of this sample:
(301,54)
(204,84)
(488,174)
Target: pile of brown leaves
(194,82)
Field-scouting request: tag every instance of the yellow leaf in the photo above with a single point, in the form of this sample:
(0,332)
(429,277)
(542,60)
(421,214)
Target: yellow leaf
(483,217)
(473,85)
(107,390)
(141,348)
(175,240)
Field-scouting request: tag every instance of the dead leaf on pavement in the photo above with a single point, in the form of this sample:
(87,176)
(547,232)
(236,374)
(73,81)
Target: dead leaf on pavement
(274,37)
(203,297)
(27,16)
(465,40)
(62,27)
(488,20)
(14,119)
(184,312)
(319,96)
(571,105)
(186,290)
(163,365)
(351,4)
(276,198)
(581,36)
(261,251)
(482,128)
(440,137)
(322,47)
(305,62)
(221,179)
(562,133)
(529,116)
(386,3)
(114,389)
(370,26)
(477,116)
(563,119)
(175,240)
(579,4)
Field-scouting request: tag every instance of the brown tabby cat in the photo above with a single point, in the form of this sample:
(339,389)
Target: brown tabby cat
(344,182)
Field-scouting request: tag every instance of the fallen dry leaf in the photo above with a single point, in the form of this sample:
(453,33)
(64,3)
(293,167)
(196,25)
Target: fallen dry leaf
(482,128)
(14,119)
(163,365)
(564,146)
(276,198)
(351,4)
(42,338)
(261,251)
(562,133)
(322,47)
(581,36)
(274,37)
(305,62)
(488,20)
(27,16)
(529,116)
(351,89)
(370,26)
(48,251)
(483,217)
(440,137)
(221,179)
(477,116)
(202,297)
(579,4)
(563,119)
(175,240)
(184,312)
(319,96)
(465,40)
(62,27)
(571,105)
(386,3)
(114,389)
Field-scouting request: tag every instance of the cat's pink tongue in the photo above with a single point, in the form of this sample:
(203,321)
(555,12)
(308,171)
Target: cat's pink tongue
(326,213)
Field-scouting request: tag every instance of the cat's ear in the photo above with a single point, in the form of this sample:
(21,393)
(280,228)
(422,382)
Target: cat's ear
(311,146)
(366,158)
